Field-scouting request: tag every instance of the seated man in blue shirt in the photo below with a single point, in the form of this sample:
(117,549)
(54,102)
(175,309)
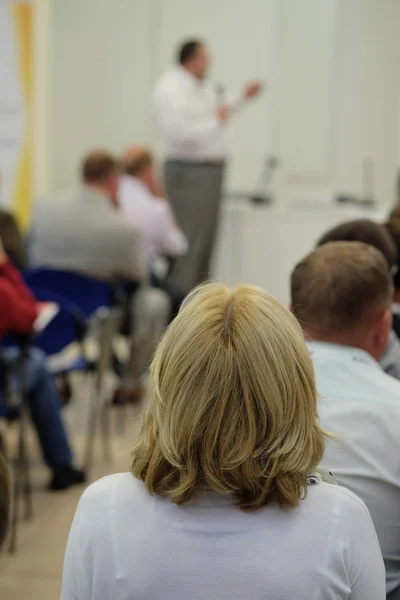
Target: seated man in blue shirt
(342,295)
(377,235)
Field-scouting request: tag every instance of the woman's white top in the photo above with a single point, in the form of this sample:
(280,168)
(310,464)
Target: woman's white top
(127,545)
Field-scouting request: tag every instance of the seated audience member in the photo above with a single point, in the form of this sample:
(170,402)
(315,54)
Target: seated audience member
(17,315)
(5,499)
(393,227)
(375,234)
(220,502)
(11,236)
(139,198)
(342,294)
(83,231)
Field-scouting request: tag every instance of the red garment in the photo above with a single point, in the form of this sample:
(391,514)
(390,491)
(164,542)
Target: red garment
(18,310)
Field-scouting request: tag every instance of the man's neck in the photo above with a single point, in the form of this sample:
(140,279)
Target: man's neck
(188,71)
(343,340)
(101,191)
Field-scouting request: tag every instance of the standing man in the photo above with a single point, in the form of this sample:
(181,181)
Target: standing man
(192,120)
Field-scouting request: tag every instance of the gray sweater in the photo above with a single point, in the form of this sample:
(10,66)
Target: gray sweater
(81,231)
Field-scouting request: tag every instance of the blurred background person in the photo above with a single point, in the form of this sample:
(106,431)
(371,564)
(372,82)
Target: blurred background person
(342,295)
(393,227)
(375,234)
(221,498)
(192,124)
(18,312)
(141,199)
(83,231)
(12,239)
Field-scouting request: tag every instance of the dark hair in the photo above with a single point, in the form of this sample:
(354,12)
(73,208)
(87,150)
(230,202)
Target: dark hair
(5,499)
(188,50)
(340,287)
(97,165)
(366,231)
(393,227)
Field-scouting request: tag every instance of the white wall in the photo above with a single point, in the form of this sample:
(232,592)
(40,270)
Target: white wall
(331,67)
(101,79)
(367,93)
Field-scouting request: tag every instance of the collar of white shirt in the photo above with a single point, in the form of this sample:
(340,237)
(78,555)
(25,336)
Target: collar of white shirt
(347,354)
(134,184)
(188,77)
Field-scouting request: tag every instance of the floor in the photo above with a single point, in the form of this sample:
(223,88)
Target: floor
(34,572)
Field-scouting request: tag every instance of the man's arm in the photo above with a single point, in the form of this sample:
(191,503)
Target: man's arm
(132,263)
(172,241)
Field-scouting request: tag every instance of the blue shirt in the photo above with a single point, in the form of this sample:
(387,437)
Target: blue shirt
(361,405)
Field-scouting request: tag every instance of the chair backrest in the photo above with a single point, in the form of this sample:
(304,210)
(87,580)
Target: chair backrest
(87,293)
(67,327)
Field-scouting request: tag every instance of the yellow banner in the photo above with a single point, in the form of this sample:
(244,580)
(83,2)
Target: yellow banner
(23,24)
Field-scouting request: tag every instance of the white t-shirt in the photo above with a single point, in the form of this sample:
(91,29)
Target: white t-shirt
(154,218)
(185,114)
(361,404)
(127,545)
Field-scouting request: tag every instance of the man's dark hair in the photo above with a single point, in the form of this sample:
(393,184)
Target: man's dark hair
(393,227)
(367,232)
(340,287)
(188,50)
(97,166)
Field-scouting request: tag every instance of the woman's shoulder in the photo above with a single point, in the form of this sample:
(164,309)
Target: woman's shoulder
(103,491)
(331,499)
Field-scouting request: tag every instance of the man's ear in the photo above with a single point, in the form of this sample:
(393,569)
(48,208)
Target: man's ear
(291,307)
(382,330)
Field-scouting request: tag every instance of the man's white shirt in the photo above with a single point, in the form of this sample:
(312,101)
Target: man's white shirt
(185,113)
(361,405)
(154,217)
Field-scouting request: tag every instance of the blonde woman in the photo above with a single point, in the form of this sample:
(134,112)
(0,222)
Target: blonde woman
(219,503)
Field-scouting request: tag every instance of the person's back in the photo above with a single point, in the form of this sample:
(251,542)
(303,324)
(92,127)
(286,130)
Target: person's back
(211,549)
(361,404)
(223,500)
(79,231)
(83,230)
(342,294)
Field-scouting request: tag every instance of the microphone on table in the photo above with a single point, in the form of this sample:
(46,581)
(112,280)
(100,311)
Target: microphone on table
(263,194)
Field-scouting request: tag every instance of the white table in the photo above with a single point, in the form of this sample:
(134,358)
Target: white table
(260,244)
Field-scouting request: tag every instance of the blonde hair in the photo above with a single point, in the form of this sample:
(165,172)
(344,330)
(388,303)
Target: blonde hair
(233,406)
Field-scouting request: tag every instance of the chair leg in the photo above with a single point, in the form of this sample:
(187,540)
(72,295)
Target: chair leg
(91,430)
(106,431)
(26,486)
(16,493)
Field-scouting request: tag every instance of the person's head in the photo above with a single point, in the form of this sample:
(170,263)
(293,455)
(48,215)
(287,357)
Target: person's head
(342,293)
(393,227)
(366,231)
(194,56)
(5,499)
(100,170)
(233,406)
(138,162)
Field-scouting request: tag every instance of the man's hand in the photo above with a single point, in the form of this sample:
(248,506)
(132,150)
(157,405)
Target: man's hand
(157,188)
(253,89)
(224,113)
